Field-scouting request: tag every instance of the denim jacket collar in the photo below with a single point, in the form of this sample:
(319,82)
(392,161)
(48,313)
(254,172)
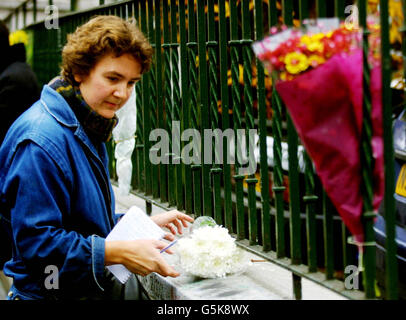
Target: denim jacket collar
(58,108)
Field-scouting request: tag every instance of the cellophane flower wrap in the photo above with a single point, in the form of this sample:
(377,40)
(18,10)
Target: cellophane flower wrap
(320,81)
(211,252)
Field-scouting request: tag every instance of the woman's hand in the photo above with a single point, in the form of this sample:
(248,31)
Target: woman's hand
(139,256)
(171,219)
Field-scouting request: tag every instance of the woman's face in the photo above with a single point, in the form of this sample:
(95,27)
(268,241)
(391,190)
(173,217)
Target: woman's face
(109,84)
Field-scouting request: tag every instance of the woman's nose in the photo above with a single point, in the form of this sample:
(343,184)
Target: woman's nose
(120,92)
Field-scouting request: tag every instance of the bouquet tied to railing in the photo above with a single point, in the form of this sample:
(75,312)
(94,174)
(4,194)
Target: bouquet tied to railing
(319,72)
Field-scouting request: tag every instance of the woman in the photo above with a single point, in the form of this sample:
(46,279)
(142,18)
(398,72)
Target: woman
(55,192)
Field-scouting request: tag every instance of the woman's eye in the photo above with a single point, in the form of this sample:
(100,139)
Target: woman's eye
(131,83)
(113,79)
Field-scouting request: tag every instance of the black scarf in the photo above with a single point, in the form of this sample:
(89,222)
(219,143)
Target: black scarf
(97,127)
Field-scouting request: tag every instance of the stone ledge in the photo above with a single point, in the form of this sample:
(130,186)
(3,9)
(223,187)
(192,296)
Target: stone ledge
(261,280)
(245,286)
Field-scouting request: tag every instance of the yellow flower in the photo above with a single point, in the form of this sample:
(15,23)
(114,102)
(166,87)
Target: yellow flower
(315,60)
(296,62)
(313,42)
(305,39)
(17,37)
(317,36)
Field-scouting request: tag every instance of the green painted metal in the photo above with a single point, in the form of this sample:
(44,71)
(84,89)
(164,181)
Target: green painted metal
(344,237)
(197,184)
(389,205)
(73,5)
(204,105)
(249,116)
(168,101)
(367,164)
(321,8)
(237,116)
(297,286)
(215,171)
(278,187)
(225,107)
(134,157)
(203,65)
(24,15)
(262,128)
(328,236)
(294,199)
(139,143)
(303,10)
(34,10)
(310,198)
(328,210)
(160,99)
(187,179)
(193,104)
(153,99)
(146,108)
(339,9)
(176,106)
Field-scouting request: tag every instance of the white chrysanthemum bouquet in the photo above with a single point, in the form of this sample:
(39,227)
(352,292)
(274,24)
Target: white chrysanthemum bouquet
(211,252)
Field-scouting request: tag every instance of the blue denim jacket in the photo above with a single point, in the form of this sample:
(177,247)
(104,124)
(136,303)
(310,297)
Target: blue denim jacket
(56,197)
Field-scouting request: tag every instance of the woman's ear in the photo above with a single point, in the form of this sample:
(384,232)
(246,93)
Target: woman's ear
(78,78)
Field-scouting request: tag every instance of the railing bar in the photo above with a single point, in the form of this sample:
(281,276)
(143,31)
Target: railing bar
(391,270)
(294,199)
(139,144)
(328,232)
(146,108)
(272,14)
(321,8)
(168,102)
(193,105)
(153,105)
(265,205)
(310,198)
(204,104)
(237,117)
(249,119)
(339,8)
(225,107)
(213,112)
(278,187)
(176,106)
(197,184)
(159,96)
(297,286)
(188,196)
(367,163)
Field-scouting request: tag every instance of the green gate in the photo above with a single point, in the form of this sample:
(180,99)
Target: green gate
(205,76)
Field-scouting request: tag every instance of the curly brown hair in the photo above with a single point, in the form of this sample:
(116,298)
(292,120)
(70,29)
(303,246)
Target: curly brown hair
(98,37)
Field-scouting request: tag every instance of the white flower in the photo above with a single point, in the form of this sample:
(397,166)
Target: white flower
(210,252)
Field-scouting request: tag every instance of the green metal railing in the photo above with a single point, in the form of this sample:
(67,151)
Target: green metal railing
(206,77)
